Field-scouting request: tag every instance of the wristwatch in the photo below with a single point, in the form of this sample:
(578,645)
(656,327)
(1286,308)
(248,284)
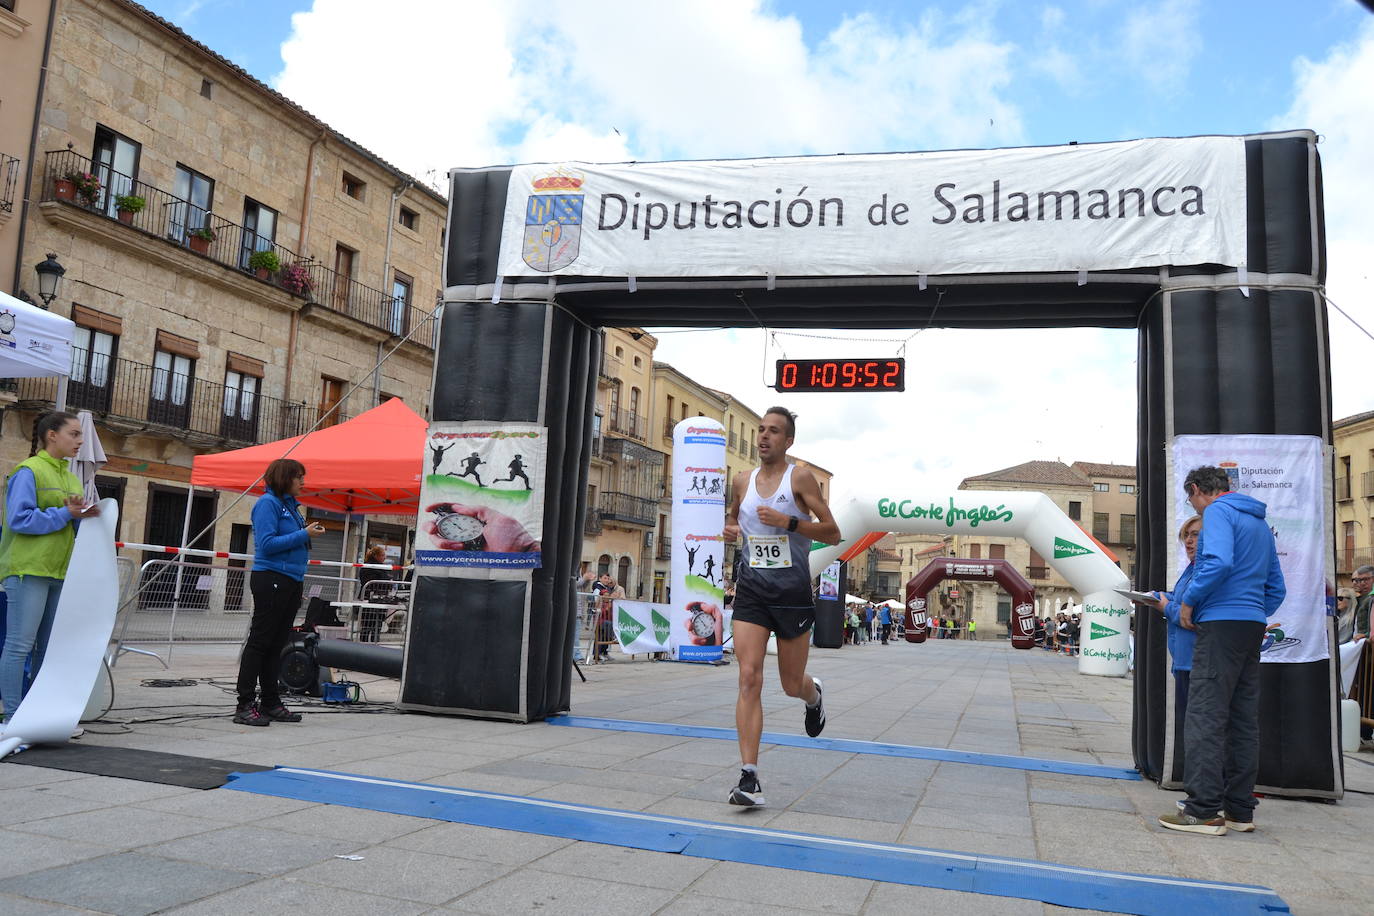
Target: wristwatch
(464,530)
(792,525)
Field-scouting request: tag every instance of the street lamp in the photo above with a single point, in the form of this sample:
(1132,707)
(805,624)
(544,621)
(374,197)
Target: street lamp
(49,278)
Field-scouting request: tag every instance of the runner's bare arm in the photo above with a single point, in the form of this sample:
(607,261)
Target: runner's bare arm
(808,493)
(732,513)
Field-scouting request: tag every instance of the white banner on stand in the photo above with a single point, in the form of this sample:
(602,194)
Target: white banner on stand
(1286,474)
(698,574)
(1102,206)
(641,626)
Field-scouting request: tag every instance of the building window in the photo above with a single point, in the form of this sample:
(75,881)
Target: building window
(1037,569)
(409,219)
(353,186)
(242,385)
(195,195)
(115,163)
(1075,510)
(1100,525)
(1102,487)
(639,363)
(1128,529)
(259,230)
(174,371)
(343,269)
(619,352)
(975,551)
(997,551)
(401,285)
(95,341)
(1128,489)
(207,88)
(331,401)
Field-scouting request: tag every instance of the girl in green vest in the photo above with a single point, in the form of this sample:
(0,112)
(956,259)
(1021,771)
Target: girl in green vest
(43,501)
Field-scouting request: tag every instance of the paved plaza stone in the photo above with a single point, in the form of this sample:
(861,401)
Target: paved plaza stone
(71,842)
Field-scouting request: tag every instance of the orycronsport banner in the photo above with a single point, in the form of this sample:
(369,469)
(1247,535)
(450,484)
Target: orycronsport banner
(1284,473)
(698,576)
(1142,203)
(482,498)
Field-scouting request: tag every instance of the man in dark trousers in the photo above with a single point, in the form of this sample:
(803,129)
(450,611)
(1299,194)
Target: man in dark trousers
(1363,580)
(1236,586)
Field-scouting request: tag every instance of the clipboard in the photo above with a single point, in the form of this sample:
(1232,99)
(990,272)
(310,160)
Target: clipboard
(1143,597)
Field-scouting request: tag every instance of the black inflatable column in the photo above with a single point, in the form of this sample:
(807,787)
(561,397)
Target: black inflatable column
(498,644)
(1216,361)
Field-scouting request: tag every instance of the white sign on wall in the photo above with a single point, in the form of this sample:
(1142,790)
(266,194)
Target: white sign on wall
(1284,473)
(1106,206)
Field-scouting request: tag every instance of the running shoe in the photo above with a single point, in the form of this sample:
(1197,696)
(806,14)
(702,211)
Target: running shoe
(748,793)
(1208,826)
(249,715)
(280,713)
(1239,826)
(815,715)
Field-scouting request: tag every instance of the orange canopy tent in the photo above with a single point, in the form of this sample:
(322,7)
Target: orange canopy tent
(371,464)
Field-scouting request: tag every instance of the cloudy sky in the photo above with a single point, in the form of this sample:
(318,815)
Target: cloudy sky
(444,83)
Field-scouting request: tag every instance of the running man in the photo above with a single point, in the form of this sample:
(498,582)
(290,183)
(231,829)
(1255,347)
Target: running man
(773,508)
(517,469)
(470,464)
(436,455)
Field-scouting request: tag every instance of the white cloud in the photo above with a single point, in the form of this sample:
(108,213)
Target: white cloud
(1332,97)
(1160,41)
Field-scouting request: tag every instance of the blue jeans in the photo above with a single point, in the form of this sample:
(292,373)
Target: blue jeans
(32,606)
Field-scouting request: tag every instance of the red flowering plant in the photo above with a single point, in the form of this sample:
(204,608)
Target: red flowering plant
(87,186)
(295,278)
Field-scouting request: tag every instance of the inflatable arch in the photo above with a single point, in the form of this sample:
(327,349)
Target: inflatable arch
(963,569)
(1210,247)
(1034,518)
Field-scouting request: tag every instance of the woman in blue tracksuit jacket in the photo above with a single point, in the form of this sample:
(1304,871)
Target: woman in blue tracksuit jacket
(1180,640)
(281,551)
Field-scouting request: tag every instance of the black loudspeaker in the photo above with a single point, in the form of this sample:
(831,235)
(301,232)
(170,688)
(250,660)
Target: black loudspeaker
(300,673)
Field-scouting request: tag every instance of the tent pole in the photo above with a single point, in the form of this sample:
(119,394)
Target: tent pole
(343,551)
(181,567)
(60,400)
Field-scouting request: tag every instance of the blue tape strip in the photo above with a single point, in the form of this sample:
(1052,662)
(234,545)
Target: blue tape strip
(1028,879)
(850,746)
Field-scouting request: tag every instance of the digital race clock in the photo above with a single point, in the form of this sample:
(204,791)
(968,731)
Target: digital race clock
(841,375)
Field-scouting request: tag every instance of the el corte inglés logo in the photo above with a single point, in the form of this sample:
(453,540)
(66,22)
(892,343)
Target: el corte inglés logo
(1100,632)
(661,626)
(629,628)
(1063,548)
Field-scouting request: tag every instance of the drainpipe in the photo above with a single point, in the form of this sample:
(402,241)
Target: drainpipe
(396,193)
(302,240)
(33,146)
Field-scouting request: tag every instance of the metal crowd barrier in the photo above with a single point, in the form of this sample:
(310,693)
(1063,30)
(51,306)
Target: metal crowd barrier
(182,601)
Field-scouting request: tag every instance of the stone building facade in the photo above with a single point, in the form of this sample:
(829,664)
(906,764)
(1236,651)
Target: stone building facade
(237,269)
(1354,483)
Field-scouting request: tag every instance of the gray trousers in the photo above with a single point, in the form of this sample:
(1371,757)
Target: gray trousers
(1221,731)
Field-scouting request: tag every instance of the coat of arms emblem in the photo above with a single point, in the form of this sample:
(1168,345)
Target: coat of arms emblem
(553,222)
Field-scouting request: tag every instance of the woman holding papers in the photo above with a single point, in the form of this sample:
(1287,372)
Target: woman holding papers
(1180,639)
(43,503)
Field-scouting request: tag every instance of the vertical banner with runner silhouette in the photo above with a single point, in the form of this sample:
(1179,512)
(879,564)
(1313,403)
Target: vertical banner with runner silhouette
(482,496)
(698,583)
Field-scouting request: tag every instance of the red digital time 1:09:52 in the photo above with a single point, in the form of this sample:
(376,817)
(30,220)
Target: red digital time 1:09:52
(841,375)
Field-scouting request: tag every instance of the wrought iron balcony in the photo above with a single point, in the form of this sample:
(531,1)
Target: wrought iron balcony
(629,508)
(137,396)
(628,423)
(591,525)
(187,225)
(9,181)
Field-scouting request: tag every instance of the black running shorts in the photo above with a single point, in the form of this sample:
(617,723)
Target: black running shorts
(787,621)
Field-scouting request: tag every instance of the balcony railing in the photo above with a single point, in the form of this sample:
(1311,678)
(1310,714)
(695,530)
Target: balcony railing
(610,367)
(734,441)
(1127,536)
(187,225)
(123,390)
(1367,484)
(1037,572)
(629,508)
(629,423)
(591,525)
(668,424)
(1342,487)
(663,549)
(9,181)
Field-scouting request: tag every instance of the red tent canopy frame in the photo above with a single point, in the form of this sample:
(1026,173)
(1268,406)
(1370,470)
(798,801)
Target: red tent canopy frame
(371,465)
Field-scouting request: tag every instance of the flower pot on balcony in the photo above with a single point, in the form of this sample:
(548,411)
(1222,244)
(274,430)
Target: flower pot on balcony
(64,189)
(198,245)
(262,273)
(125,216)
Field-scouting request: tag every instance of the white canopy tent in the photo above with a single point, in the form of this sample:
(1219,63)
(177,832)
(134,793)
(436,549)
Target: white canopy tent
(35,343)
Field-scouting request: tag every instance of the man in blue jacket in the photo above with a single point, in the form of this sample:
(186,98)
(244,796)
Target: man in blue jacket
(1236,586)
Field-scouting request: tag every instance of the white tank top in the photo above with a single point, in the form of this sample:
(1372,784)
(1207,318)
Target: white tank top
(775,563)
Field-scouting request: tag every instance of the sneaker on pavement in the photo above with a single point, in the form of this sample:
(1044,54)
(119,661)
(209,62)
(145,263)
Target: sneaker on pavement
(280,713)
(1209,826)
(249,715)
(748,793)
(1238,826)
(815,715)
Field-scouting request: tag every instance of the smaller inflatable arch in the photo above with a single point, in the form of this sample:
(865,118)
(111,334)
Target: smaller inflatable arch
(1032,517)
(969,570)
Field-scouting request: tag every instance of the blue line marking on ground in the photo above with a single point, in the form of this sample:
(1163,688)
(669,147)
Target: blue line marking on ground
(1084,888)
(851,746)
